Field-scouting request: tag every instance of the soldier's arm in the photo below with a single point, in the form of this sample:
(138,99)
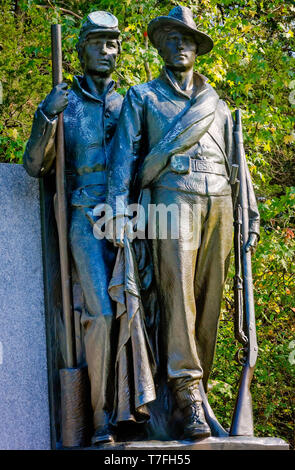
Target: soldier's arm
(122,165)
(40,149)
(125,153)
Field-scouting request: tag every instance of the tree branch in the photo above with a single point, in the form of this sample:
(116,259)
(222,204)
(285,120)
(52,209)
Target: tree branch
(146,64)
(63,10)
(220,8)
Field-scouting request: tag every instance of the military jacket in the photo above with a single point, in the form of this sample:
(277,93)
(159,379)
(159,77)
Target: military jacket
(147,114)
(89,126)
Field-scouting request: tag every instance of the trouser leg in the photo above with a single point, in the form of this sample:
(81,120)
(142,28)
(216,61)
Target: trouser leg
(94,260)
(190,278)
(210,276)
(175,264)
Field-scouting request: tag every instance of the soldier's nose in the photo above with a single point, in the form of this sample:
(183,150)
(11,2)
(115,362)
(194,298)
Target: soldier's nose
(103,49)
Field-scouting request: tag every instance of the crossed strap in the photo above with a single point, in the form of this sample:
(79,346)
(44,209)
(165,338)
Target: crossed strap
(186,130)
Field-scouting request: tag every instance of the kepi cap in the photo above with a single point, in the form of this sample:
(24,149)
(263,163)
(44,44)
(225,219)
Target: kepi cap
(99,22)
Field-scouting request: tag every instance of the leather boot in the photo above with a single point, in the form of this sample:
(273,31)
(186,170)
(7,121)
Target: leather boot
(195,425)
(103,433)
(102,436)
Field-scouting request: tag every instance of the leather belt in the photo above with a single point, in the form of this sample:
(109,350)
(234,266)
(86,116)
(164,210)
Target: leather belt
(183,164)
(96,177)
(208,167)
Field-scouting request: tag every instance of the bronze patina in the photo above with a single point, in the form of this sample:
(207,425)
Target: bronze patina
(152,305)
(90,111)
(175,135)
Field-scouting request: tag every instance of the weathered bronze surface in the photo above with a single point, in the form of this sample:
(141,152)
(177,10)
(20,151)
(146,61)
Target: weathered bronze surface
(148,320)
(90,112)
(176,137)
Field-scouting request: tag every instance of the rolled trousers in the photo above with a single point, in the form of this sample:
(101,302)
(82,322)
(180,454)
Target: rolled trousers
(190,274)
(94,260)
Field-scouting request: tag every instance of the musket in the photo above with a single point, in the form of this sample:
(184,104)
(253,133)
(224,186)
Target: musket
(73,380)
(61,207)
(245,329)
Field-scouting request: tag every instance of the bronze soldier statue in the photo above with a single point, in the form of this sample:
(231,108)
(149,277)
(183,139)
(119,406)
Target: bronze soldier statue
(91,110)
(176,137)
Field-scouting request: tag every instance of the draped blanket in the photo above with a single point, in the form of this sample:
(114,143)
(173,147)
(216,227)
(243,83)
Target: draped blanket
(186,130)
(135,363)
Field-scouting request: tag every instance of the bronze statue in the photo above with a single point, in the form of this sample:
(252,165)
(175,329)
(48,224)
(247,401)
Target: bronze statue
(173,146)
(91,110)
(174,140)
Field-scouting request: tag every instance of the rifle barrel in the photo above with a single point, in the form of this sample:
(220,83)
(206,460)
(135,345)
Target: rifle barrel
(242,423)
(61,213)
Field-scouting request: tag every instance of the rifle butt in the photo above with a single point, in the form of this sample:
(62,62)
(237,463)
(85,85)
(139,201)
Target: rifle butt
(76,415)
(242,422)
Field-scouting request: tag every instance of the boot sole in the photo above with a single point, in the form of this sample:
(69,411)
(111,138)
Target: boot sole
(196,435)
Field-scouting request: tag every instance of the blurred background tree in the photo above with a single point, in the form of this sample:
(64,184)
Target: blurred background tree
(251,67)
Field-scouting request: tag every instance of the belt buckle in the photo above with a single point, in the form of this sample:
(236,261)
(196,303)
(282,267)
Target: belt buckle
(204,166)
(180,164)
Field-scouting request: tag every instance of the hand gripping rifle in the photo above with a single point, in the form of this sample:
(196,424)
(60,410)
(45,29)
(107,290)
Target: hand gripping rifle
(73,380)
(245,329)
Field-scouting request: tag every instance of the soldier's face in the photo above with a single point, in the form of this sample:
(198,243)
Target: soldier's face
(99,55)
(178,50)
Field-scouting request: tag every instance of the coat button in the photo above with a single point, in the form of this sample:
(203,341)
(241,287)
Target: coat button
(107,114)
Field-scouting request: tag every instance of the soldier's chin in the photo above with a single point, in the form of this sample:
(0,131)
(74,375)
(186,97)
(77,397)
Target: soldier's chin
(103,71)
(178,67)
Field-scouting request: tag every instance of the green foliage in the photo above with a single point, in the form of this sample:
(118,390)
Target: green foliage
(251,67)
(274,290)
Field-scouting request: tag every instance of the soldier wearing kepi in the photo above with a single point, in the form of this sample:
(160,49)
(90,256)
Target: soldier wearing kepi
(177,135)
(91,110)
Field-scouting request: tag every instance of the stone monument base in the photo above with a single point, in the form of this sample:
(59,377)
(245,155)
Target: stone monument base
(210,443)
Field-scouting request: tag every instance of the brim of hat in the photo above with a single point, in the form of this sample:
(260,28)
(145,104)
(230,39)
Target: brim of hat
(111,32)
(205,43)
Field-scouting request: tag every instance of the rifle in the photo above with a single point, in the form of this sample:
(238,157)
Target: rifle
(73,380)
(245,329)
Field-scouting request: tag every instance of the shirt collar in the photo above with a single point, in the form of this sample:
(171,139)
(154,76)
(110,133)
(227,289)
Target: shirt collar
(199,80)
(77,86)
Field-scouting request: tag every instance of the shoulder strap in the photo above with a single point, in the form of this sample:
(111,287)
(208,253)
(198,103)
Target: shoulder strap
(186,130)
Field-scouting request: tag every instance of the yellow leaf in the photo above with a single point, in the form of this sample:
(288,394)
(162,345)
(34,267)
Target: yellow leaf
(14,134)
(248,87)
(245,29)
(288,139)
(266,147)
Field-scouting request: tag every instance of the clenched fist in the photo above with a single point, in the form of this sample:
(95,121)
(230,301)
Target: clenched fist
(56,101)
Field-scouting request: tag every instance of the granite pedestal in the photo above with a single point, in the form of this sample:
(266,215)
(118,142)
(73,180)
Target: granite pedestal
(24,404)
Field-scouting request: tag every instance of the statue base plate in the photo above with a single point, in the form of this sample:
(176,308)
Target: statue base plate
(210,443)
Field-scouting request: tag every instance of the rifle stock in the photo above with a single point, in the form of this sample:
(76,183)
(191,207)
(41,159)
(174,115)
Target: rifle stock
(242,422)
